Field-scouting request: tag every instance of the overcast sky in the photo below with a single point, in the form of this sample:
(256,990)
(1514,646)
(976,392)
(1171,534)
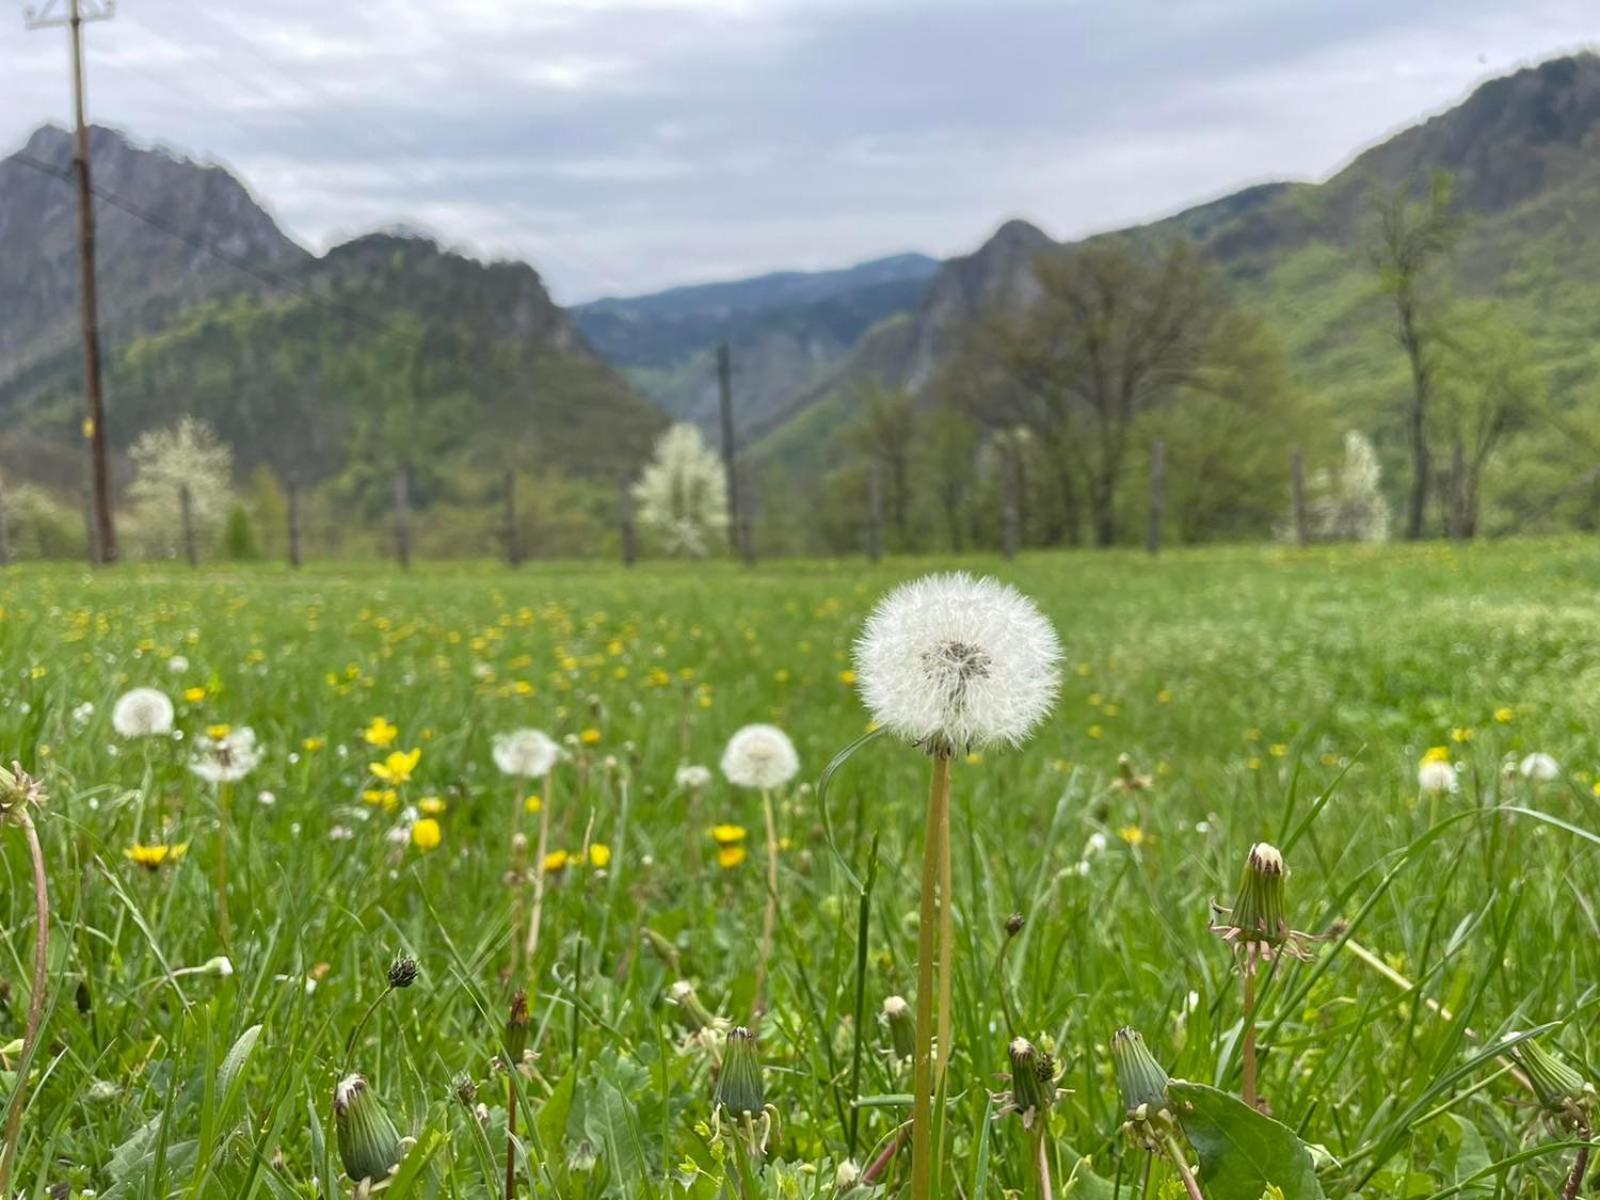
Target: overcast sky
(625,145)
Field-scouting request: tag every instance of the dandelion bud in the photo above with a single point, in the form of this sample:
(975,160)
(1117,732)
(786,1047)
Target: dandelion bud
(402,972)
(902,1028)
(1560,1089)
(1140,1079)
(1014,924)
(221,966)
(369,1144)
(660,946)
(517,1028)
(583,1157)
(1258,912)
(740,1090)
(695,1016)
(1033,1079)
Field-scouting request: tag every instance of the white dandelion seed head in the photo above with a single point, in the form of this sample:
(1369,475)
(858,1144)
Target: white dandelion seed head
(693,777)
(1540,768)
(525,753)
(760,756)
(177,664)
(142,712)
(226,759)
(1434,775)
(958,662)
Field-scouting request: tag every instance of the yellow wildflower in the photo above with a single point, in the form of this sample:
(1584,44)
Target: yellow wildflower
(397,768)
(218,733)
(312,744)
(152,858)
(728,835)
(847,677)
(590,737)
(1437,754)
(1503,714)
(1131,834)
(555,862)
(533,804)
(729,857)
(430,806)
(1460,734)
(425,834)
(380,733)
(599,855)
(194,695)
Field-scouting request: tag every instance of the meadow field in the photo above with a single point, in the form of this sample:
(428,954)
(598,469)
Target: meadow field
(191,1049)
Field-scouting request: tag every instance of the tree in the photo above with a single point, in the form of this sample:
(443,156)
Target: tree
(1347,506)
(1412,240)
(1119,330)
(682,496)
(239,536)
(884,434)
(164,462)
(946,446)
(1490,386)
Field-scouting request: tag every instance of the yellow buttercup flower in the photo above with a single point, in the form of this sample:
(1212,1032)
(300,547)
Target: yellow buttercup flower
(430,806)
(1131,834)
(380,733)
(397,768)
(152,858)
(1503,714)
(555,862)
(194,695)
(1460,734)
(218,733)
(387,797)
(425,834)
(533,804)
(312,744)
(599,855)
(1437,754)
(847,677)
(590,737)
(728,835)
(729,857)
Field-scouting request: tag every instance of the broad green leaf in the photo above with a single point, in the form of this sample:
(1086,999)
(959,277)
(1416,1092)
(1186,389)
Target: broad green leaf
(230,1078)
(416,1161)
(551,1122)
(1467,1157)
(1083,1184)
(1242,1152)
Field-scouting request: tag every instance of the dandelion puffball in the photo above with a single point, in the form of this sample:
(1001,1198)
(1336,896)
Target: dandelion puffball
(1436,773)
(1540,768)
(143,712)
(954,663)
(760,756)
(228,758)
(526,753)
(693,777)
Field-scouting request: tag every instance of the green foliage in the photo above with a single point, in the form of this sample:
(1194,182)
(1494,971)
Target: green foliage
(239,535)
(1243,1154)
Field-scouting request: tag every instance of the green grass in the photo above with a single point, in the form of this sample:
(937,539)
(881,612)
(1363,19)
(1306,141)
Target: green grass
(1272,695)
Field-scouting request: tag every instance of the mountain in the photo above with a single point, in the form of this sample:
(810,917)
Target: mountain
(144,272)
(1524,155)
(786,331)
(387,347)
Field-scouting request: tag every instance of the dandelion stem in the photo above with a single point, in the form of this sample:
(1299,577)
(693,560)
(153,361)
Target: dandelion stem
(1041,1155)
(350,1043)
(221,883)
(36,995)
(1580,1166)
(1181,1165)
(881,1164)
(1249,977)
(947,938)
(511,1130)
(538,872)
(922,1148)
(770,920)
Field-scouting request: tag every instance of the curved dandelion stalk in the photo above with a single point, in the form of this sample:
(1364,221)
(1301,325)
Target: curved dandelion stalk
(534,921)
(17,792)
(762,758)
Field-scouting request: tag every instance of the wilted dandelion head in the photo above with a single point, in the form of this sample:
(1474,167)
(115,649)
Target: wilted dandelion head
(227,756)
(1436,773)
(142,712)
(525,753)
(1540,768)
(760,756)
(954,663)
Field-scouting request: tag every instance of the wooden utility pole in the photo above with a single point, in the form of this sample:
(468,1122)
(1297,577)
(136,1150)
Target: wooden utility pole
(73,14)
(513,539)
(630,540)
(747,533)
(1158,496)
(294,522)
(1297,496)
(402,519)
(730,475)
(186,515)
(874,513)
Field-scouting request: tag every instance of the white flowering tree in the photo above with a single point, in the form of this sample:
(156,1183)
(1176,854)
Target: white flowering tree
(683,501)
(1347,505)
(164,461)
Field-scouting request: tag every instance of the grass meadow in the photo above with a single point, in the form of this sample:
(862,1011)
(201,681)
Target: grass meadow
(1266,694)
